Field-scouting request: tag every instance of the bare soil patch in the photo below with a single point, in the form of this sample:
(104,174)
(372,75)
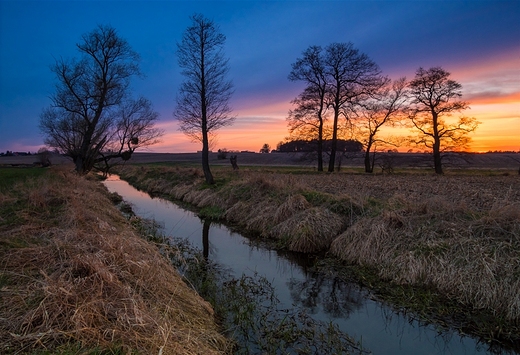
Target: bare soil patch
(507,161)
(463,161)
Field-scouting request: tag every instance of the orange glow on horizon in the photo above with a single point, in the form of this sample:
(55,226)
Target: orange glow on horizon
(499,130)
(491,87)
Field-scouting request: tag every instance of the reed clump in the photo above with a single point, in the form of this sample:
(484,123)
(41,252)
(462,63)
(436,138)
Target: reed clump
(309,231)
(471,257)
(74,274)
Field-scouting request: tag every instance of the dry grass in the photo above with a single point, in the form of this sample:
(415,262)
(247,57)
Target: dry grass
(472,257)
(459,234)
(84,277)
(312,230)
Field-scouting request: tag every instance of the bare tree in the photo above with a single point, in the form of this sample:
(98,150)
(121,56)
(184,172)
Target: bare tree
(337,78)
(202,102)
(383,107)
(84,119)
(307,120)
(351,77)
(434,97)
(134,128)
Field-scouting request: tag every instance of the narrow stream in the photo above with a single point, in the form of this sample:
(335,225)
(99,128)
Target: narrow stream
(381,330)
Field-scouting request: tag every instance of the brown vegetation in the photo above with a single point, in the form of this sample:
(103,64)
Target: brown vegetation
(74,274)
(457,234)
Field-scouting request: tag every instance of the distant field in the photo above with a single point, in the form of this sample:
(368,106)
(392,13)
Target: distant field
(503,161)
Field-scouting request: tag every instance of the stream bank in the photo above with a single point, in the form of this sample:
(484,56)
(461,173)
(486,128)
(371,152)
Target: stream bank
(405,267)
(75,278)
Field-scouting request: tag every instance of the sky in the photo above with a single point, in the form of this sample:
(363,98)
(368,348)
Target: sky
(477,41)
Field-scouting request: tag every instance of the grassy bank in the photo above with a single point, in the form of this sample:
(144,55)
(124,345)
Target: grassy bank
(456,236)
(75,278)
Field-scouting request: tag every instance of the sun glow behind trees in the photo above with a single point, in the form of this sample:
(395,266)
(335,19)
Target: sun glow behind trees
(476,41)
(499,130)
(491,86)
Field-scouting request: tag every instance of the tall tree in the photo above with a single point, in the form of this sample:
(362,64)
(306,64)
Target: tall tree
(337,78)
(352,76)
(434,98)
(384,107)
(203,99)
(307,120)
(85,120)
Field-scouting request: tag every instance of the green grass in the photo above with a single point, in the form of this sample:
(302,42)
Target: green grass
(211,212)
(10,176)
(19,207)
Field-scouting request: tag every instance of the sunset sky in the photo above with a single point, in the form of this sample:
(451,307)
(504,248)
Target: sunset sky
(478,42)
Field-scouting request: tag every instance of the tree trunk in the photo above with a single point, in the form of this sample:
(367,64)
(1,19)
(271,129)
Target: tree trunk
(320,146)
(368,163)
(436,144)
(205,159)
(78,162)
(437,163)
(334,144)
(205,139)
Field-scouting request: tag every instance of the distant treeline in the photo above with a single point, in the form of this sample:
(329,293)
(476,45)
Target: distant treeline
(343,145)
(12,154)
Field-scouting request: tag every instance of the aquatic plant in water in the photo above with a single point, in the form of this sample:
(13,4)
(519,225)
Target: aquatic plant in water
(249,312)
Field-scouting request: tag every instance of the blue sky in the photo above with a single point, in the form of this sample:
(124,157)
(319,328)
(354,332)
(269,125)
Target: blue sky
(477,41)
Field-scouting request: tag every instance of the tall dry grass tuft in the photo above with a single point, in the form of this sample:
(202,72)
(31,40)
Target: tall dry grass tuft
(260,219)
(293,204)
(310,231)
(470,256)
(83,276)
(179,191)
(202,198)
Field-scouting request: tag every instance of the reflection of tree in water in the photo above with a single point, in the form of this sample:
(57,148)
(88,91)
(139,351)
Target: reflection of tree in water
(322,287)
(336,297)
(205,239)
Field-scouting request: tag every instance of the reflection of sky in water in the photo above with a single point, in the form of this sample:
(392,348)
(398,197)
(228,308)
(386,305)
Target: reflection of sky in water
(377,327)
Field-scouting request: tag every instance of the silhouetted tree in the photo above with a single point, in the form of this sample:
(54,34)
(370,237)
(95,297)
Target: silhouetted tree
(353,77)
(435,96)
(202,103)
(383,107)
(337,79)
(308,118)
(266,148)
(134,128)
(89,116)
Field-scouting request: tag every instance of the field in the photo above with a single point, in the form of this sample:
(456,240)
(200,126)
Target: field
(447,245)
(457,162)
